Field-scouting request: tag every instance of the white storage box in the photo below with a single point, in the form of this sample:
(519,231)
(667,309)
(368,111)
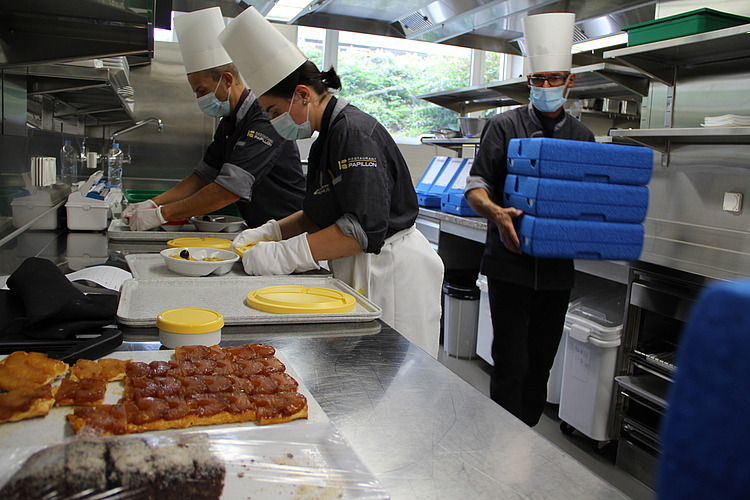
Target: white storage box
(594,328)
(27,208)
(86,211)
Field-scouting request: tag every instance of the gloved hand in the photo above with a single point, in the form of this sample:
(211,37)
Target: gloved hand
(279,257)
(131,209)
(146,218)
(270,231)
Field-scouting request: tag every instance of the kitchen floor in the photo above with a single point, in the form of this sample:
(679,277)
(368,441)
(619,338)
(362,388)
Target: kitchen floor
(477,373)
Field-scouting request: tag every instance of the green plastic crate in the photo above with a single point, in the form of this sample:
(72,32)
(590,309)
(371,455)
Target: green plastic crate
(687,23)
(138,195)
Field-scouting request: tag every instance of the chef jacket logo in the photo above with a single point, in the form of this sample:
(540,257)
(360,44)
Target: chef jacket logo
(259,136)
(358,162)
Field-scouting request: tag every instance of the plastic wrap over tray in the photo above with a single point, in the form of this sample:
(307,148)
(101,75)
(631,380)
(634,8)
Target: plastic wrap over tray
(141,300)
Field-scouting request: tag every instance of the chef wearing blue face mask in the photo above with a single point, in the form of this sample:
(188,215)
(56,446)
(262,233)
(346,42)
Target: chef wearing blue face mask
(248,162)
(360,206)
(528,295)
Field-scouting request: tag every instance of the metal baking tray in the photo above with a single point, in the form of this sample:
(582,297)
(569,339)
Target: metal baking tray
(150,265)
(118,230)
(142,300)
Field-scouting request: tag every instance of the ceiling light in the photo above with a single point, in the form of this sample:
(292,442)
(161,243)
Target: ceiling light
(599,43)
(286,10)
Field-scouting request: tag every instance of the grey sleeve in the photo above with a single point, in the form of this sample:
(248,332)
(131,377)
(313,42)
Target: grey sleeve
(206,172)
(230,177)
(349,225)
(475,181)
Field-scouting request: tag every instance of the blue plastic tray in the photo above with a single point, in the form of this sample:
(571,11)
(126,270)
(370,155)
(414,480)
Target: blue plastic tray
(580,160)
(564,199)
(455,203)
(573,239)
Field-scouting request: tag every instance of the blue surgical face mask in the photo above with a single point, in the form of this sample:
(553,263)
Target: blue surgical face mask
(288,129)
(212,106)
(548,99)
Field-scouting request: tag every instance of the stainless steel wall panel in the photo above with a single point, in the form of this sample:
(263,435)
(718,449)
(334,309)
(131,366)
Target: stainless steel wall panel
(162,90)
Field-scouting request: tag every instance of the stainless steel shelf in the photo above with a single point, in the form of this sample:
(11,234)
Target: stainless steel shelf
(658,59)
(592,81)
(102,95)
(661,138)
(456,143)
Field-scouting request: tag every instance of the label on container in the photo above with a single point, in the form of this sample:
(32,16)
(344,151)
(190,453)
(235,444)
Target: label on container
(581,358)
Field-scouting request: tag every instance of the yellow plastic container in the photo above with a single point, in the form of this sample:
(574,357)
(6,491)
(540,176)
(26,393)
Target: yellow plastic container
(189,326)
(296,299)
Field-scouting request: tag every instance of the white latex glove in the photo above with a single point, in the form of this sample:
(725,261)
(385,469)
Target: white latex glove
(270,231)
(131,209)
(279,257)
(146,218)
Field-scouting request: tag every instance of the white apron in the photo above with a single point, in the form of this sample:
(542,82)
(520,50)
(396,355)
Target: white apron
(405,279)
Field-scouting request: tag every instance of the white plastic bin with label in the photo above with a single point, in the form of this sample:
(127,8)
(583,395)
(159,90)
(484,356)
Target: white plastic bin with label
(594,328)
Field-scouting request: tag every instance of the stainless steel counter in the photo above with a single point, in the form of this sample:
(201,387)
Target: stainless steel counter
(422,430)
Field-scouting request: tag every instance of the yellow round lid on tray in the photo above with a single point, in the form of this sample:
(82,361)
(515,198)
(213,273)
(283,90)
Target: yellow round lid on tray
(190,320)
(200,242)
(296,299)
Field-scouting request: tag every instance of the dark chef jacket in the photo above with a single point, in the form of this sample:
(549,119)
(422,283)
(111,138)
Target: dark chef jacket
(489,171)
(250,159)
(356,169)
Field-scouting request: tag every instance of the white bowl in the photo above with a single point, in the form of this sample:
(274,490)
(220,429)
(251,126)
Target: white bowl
(218,223)
(198,266)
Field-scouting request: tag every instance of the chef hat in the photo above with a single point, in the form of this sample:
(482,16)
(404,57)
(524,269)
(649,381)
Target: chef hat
(261,53)
(548,39)
(197,33)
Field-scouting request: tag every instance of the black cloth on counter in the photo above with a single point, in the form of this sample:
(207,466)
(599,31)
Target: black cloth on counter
(42,303)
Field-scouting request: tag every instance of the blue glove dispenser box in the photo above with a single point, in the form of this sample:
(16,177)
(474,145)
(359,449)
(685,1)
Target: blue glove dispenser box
(580,160)
(565,199)
(579,239)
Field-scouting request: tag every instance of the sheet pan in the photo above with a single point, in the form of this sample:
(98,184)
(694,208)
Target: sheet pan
(118,230)
(142,300)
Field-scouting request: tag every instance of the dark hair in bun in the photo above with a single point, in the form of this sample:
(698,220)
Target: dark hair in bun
(307,74)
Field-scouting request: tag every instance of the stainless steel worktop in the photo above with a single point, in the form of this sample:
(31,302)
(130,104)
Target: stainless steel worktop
(422,430)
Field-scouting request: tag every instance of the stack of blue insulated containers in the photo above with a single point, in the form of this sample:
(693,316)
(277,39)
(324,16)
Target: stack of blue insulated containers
(581,200)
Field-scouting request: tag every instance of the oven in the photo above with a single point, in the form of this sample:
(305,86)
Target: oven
(659,302)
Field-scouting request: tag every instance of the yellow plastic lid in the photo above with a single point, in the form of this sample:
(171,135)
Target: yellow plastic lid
(296,299)
(190,320)
(200,242)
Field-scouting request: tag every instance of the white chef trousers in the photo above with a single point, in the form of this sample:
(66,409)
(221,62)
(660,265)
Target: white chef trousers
(405,279)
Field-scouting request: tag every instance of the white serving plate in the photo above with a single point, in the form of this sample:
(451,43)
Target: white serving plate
(141,300)
(301,459)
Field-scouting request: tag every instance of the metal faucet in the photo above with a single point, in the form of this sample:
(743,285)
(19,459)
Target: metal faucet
(159,124)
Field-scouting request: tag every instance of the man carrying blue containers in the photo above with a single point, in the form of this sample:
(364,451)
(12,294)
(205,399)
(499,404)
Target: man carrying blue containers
(529,291)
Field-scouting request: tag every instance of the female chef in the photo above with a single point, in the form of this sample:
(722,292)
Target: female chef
(360,205)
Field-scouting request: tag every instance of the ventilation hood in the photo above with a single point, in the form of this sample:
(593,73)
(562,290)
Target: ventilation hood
(42,31)
(493,25)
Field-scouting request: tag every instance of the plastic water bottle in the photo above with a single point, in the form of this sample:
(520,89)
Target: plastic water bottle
(68,164)
(114,166)
(575,109)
